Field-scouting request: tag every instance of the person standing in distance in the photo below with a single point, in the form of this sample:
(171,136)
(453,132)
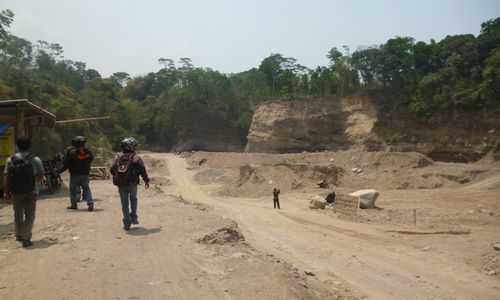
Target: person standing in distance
(126,169)
(276,197)
(78,160)
(22,172)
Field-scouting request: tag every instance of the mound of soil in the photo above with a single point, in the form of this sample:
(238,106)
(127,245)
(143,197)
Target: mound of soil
(224,235)
(255,174)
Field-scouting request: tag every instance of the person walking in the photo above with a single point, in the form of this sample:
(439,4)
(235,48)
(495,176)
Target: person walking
(22,172)
(78,160)
(276,197)
(79,194)
(126,169)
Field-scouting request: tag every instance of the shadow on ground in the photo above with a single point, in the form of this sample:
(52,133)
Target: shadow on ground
(42,244)
(6,230)
(143,231)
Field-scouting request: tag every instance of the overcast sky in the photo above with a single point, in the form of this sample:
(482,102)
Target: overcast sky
(233,35)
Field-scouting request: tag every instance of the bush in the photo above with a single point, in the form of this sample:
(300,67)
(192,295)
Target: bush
(493,147)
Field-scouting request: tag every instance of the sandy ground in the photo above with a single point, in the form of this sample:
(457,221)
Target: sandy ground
(188,243)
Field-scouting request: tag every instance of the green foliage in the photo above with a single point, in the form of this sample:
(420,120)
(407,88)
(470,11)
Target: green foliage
(489,88)
(6,18)
(489,38)
(452,76)
(493,146)
(181,100)
(397,137)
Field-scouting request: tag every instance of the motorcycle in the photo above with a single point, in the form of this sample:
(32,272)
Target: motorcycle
(51,179)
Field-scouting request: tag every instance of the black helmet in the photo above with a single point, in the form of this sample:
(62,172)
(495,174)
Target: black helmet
(78,141)
(59,156)
(129,144)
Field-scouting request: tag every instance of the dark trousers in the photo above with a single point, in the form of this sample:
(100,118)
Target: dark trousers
(277,202)
(75,183)
(24,214)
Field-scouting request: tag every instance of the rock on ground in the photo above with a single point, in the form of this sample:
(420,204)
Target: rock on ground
(367,197)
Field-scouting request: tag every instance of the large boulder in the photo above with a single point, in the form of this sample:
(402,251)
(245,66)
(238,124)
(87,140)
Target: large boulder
(317,203)
(367,198)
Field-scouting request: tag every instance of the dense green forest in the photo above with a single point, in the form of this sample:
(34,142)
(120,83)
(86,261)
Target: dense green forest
(451,77)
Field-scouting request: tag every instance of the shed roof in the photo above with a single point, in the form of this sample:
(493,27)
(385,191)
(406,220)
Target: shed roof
(9,109)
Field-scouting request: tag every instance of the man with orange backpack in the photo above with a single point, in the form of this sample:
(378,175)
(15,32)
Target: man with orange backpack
(78,160)
(126,169)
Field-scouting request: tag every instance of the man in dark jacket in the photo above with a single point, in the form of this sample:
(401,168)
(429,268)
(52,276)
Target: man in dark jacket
(126,169)
(78,160)
(276,197)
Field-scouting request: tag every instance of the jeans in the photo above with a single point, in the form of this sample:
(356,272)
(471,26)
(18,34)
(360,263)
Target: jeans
(76,181)
(24,214)
(128,193)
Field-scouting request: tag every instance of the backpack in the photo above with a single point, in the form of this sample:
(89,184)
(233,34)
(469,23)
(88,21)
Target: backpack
(82,153)
(124,171)
(20,174)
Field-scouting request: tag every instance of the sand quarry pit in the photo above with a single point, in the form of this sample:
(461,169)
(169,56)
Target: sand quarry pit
(208,231)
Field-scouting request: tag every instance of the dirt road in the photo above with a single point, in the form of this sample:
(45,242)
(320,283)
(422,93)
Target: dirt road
(87,255)
(82,255)
(373,261)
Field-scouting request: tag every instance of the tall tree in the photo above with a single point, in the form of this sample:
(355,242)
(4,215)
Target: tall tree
(6,18)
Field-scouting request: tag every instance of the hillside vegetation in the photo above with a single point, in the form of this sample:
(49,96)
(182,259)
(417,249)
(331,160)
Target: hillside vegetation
(182,106)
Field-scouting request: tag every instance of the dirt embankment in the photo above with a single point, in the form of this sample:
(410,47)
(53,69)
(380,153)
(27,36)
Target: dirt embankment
(355,122)
(253,174)
(284,127)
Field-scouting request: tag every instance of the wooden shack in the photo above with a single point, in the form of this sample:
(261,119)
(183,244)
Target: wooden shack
(18,118)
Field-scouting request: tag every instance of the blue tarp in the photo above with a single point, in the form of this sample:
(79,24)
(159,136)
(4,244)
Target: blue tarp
(4,126)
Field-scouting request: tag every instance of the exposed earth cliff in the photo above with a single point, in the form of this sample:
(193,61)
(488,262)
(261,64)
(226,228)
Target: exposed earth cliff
(355,122)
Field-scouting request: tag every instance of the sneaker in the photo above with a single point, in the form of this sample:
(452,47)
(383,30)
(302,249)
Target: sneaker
(91,207)
(27,243)
(135,222)
(72,207)
(126,227)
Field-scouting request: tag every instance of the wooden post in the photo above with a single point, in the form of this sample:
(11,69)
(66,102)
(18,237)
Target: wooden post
(20,122)
(357,210)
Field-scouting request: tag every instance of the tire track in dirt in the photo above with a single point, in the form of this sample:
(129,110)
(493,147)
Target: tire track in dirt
(367,258)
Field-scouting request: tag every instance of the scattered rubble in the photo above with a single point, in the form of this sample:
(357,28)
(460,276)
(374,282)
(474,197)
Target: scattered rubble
(99,173)
(491,272)
(317,203)
(227,234)
(357,170)
(322,184)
